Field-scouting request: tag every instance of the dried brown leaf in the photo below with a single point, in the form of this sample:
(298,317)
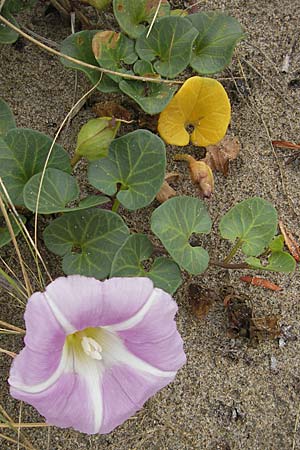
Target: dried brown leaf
(218,156)
(286,144)
(265,327)
(239,316)
(200,300)
(290,241)
(201,174)
(166,192)
(112,109)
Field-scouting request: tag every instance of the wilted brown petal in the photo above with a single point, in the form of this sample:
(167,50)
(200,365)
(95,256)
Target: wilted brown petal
(219,155)
(166,192)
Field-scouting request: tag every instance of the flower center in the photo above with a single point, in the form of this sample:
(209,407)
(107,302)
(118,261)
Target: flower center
(86,343)
(91,347)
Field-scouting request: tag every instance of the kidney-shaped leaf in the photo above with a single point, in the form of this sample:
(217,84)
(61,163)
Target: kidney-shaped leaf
(132,14)
(137,163)
(87,240)
(23,154)
(7,120)
(277,262)
(5,237)
(253,222)
(174,222)
(169,43)
(201,103)
(112,50)
(58,189)
(127,262)
(7,35)
(79,46)
(218,35)
(152,97)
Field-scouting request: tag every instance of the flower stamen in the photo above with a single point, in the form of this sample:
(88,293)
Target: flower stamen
(91,347)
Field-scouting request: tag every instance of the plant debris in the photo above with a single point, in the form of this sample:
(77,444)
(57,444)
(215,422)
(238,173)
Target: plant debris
(290,241)
(111,108)
(218,156)
(200,300)
(200,173)
(166,191)
(258,281)
(286,144)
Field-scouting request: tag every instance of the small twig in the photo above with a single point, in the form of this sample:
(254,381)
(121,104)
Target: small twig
(2,4)
(24,425)
(12,327)
(41,38)
(84,64)
(13,238)
(7,352)
(154,19)
(286,61)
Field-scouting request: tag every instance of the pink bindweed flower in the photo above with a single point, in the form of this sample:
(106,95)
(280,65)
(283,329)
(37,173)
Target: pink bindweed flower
(96,351)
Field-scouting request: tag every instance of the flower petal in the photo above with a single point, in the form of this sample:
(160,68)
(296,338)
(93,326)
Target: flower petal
(201,102)
(124,392)
(66,403)
(43,332)
(151,334)
(86,302)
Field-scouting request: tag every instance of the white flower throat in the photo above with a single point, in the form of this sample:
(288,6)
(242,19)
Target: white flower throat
(91,347)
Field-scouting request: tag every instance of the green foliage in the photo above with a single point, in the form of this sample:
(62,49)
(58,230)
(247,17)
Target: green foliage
(169,45)
(112,50)
(132,15)
(127,262)
(277,262)
(7,120)
(87,241)
(253,222)
(151,97)
(136,162)
(79,46)
(5,237)
(7,35)
(58,189)
(174,222)
(23,153)
(217,36)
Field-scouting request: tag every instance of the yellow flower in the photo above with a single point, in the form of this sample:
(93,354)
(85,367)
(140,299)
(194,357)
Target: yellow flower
(201,103)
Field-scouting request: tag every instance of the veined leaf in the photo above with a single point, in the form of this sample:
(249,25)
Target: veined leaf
(152,97)
(23,153)
(79,46)
(132,14)
(87,240)
(253,222)
(58,189)
(137,163)
(7,35)
(127,262)
(112,50)
(169,44)
(214,46)
(277,262)
(174,222)
(7,120)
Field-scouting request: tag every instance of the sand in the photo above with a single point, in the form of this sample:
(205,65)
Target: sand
(228,396)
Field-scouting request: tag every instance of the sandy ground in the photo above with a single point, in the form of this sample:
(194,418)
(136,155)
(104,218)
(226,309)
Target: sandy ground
(227,397)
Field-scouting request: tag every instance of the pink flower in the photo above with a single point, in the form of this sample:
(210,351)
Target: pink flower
(96,351)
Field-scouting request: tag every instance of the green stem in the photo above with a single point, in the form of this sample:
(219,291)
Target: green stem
(229,266)
(115,205)
(75,159)
(233,251)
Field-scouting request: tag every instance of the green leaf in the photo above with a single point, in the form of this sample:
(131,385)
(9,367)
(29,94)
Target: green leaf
(14,6)
(4,233)
(127,262)
(79,46)
(174,222)
(132,14)
(253,222)
(142,67)
(112,50)
(137,163)
(58,189)
(95,136)
(23,153)
(277,262)
(214,46)
(90,202)
(7,120)
(169,44)
(7,35)
(277,244)
(87,241)
(152,97)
